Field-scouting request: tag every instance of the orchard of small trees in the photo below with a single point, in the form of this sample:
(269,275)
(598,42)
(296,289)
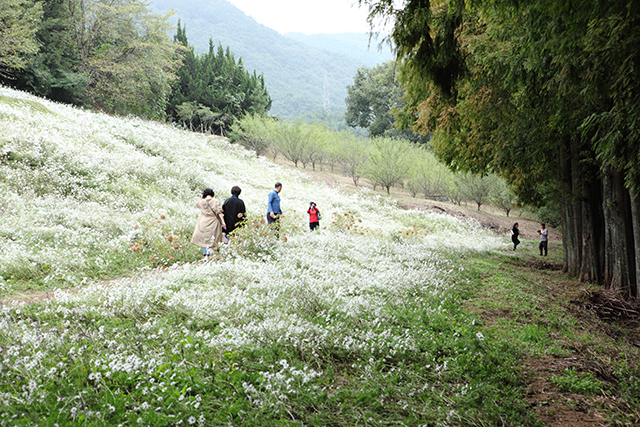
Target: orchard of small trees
(380,162)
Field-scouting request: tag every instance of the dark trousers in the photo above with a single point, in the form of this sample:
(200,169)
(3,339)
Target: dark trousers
(543,247)
(275,224)
(515,241)
(314,225)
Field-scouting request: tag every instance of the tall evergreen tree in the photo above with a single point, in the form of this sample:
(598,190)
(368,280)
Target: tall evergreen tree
(546,94)
(213,89)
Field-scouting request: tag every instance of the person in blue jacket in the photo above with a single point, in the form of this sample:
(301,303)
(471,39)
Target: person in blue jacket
(273,205)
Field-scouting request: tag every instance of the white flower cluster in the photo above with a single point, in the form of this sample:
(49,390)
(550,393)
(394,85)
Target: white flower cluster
(72,181)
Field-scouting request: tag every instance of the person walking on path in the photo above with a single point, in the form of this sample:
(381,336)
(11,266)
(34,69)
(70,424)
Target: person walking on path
(234,210)
(515,232)
(544,239)
(208,232)
(314,216)
(273,204)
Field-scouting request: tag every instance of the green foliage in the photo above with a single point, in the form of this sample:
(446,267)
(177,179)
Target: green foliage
(389,161)
(213,90)
(18,25)
(579,383)
(53,73)
(111,55)
(502,196)
(353,155)
(256,132)
(293,141)
(373,99)
(427,175)
(478,188)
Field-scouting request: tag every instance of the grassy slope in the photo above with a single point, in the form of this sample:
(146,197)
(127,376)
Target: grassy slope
(371,321)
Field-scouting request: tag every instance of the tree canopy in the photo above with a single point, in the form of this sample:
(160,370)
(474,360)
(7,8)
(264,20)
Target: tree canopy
(372,100)
(546,94)
(18,26)
(112,55)
(217,83)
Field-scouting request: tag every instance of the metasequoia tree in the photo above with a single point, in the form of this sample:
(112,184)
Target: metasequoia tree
(545,93)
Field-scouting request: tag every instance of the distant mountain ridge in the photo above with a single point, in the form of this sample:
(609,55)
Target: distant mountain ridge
(302,73)
(356,46)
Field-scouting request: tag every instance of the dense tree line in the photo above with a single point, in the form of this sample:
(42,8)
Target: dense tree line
(113,55)
(545,93)
(382,162)
(212,89)
(18,27)
(116,56)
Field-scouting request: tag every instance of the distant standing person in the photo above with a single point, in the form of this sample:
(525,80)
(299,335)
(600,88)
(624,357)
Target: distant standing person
(208,232)
(273,204)
(234,210)
(314,216)
(515,232)
(544,239)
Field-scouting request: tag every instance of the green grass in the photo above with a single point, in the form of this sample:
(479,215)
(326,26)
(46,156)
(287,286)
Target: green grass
(31,104)
(579,383)
(466,368)
(533,309)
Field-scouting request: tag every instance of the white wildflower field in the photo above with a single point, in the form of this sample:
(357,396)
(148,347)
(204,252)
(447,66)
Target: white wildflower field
(359,323)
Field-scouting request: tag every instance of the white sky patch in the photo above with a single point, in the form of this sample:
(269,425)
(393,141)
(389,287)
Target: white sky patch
(307,16)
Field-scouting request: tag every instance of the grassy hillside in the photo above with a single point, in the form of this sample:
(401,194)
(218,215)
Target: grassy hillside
(382,317)
(295,73)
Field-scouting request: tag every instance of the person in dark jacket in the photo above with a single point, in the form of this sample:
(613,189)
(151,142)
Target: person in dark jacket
(234,210)
(515,232)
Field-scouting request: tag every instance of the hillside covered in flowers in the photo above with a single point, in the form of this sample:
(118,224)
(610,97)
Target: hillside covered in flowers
(359,323)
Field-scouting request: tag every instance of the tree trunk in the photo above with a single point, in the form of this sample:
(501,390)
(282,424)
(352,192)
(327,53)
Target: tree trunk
(570,223)
(635,221)
(619,264)
(582,220)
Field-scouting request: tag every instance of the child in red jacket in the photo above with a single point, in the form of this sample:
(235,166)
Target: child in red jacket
(314,216)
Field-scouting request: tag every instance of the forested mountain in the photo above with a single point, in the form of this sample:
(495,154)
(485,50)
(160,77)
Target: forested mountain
(299,78)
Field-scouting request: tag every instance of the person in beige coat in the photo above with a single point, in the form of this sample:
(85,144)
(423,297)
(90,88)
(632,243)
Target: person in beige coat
(208,232)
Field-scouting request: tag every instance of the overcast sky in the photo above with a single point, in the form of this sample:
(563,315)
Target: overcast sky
(307,16)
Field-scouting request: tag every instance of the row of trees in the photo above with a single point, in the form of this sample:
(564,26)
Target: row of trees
(545,93)
(381,161)
(116,55)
